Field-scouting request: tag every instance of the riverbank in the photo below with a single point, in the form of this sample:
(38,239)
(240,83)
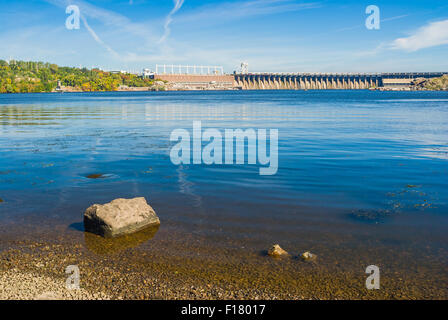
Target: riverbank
(178,265)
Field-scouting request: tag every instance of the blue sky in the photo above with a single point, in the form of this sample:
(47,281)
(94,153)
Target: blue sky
(271,35)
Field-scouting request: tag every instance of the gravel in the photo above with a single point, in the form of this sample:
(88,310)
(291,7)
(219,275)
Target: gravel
(16,285)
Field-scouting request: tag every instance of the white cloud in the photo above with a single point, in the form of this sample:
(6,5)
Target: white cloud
(177,5)
(115,24)
(98,39)
(110,19)
(430,35)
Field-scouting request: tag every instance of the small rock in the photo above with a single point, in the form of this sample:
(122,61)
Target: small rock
(1,200)
(120,217)
(308,256)
(276,251)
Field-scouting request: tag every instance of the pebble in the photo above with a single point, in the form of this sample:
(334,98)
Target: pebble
(276,251)
(308,256)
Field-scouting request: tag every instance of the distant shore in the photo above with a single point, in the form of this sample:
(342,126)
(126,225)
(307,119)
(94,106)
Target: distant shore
(163,89)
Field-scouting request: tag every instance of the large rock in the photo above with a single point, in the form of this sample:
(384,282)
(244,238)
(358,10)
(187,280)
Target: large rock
(119,217)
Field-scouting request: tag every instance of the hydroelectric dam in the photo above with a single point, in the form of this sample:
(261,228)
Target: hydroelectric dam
(324,81)
(217,79)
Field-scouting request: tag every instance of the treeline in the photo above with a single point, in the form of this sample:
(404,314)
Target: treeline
(29,76)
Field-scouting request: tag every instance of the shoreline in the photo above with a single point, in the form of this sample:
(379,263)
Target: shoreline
(178,265)
(224,90)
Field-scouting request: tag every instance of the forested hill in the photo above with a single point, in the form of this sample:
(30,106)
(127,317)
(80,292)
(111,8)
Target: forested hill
(29,76)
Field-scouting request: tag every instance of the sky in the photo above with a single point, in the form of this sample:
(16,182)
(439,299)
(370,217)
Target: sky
(270,35)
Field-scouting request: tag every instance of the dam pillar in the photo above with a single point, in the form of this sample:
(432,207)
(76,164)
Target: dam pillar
(251,82)
(254,83)
(333,83)
(269,82)
(291,83)
(318,83)
(321,83)
(247,82)
(263,82)
(237,81)
(286,82)
(283,82)
(302,83)
(313,83)
(277,82)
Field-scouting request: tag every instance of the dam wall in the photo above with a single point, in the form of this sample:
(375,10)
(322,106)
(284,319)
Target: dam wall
(307,81)
(324,81)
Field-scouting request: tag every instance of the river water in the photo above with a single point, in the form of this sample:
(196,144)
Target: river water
(354,167)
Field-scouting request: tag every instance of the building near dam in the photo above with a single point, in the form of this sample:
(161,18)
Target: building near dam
(194,77)
(197,82)
(214,78)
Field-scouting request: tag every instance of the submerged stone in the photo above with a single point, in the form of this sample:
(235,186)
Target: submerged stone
(371,215)
(120,217)
(276,251)
(95,176)
(308,256)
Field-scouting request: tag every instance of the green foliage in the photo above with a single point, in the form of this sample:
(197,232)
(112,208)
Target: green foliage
(437,83)
(29,76)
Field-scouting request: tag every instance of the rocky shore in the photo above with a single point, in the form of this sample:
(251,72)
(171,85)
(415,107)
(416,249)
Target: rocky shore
(174,264)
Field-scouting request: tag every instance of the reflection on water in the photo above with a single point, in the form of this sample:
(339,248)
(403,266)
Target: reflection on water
(341,155)
(186,187)
(106,246)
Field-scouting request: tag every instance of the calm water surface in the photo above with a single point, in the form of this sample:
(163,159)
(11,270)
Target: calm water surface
(359,163)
